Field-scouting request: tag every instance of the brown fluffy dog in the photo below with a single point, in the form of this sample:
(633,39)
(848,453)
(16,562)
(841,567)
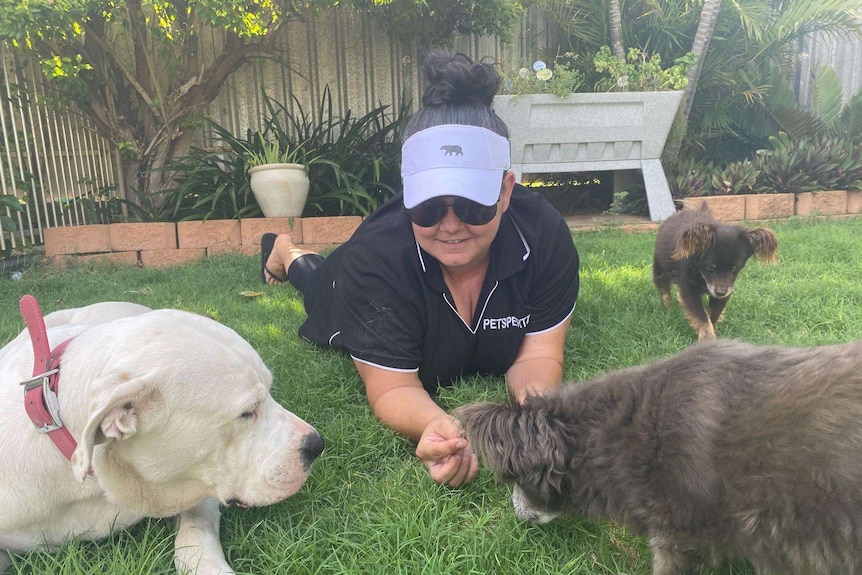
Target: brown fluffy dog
(702,256)
(723,450)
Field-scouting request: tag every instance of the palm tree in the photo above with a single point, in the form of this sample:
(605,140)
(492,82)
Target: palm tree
(615,20)
(702,38)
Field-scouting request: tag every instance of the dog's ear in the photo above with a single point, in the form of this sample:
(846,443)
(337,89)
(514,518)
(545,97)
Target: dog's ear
(114,414)
(694,241)
(764,244)
(529,446)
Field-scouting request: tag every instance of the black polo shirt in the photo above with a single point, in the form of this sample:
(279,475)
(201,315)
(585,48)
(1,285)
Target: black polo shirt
(382,298)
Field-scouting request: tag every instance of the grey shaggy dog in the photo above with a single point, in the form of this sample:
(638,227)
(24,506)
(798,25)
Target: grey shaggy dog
(724,450)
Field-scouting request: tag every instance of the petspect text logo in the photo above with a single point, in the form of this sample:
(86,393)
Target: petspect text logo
(494,323)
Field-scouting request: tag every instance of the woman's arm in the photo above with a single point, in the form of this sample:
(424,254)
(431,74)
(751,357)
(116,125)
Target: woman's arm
(400,402)
(539,365)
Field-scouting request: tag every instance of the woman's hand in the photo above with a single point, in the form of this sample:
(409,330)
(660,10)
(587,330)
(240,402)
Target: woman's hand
(402,404)
(446,453)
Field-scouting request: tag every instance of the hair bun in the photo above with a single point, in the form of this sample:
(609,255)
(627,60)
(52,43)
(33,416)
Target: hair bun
(453,78)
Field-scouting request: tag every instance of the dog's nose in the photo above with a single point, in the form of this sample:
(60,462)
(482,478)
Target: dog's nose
(312,446)
(722,291)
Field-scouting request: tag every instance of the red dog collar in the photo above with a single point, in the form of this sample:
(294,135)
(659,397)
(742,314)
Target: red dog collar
(40,393)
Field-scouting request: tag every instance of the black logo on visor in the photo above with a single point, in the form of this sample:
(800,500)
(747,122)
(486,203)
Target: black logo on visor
(452,150)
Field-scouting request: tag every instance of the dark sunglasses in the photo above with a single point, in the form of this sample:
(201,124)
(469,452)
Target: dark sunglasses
(431,212)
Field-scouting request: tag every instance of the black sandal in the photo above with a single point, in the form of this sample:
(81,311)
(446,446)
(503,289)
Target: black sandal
(267,241)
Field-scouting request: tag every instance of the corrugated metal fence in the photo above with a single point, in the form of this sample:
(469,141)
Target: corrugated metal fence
(844,55)
(65,171)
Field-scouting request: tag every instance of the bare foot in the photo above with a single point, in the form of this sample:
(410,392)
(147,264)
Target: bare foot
(284,252)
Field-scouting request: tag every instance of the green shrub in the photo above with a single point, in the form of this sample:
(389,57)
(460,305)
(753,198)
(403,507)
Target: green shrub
(805,164)
(211,184)
(689,177)
(794,166)
(561,80)
(735,178)
(640,73)
(362,167)
(354,164)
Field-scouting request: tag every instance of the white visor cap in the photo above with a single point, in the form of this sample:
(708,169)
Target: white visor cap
(454,160)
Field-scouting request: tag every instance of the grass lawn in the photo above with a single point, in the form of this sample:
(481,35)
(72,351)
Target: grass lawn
(369,506)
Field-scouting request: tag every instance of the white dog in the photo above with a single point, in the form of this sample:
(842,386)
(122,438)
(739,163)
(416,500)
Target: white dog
(172,414)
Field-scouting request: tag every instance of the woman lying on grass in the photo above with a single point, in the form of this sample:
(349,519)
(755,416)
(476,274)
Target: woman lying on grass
(465,272)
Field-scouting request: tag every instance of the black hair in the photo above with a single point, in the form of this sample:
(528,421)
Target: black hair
(457,91)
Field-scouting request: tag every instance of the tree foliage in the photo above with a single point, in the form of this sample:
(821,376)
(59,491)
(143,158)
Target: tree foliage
(142,71)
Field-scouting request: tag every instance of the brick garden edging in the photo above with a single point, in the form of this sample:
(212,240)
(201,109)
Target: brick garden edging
(776,206)
(162,244)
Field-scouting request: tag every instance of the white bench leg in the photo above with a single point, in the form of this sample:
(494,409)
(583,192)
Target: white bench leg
(657,191)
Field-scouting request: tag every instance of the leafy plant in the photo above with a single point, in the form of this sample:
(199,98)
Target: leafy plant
(273,151)
(356,163)
(639,72)
(8,224)
(352,163)
(795,166)
(211,184)
(562,80)
(10,202)
(827,114)
(735,178)
(787,166)
(689,177)
(630,201)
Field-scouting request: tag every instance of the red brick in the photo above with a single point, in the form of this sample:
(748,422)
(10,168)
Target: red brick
(854,202)
(124,258)
(77,240)
(167,258)
(329,230)
(252,229)
(769,206)
(723,208)
(143,236)
(639,228)
(827,203)
(219,235)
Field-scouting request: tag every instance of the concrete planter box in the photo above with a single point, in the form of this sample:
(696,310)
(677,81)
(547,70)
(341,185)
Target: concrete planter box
(593,132)
(769,206)
(828,203)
